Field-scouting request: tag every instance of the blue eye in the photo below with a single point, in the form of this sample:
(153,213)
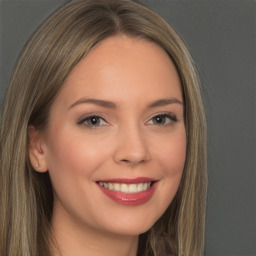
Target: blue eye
(93,121)
(163,119)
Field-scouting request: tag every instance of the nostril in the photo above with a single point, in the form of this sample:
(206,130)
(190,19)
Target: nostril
(133,162)
(132,152)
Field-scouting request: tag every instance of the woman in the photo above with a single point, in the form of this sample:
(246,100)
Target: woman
(106,152)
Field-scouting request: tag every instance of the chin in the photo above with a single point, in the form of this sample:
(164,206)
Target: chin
(130,231)
(131,226)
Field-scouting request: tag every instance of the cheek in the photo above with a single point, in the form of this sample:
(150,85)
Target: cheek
(73,162)
(171,158)
(72,153)
(172,154)
(72,159)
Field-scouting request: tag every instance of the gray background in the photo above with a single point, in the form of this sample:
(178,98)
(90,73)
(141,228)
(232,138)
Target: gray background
(221,38)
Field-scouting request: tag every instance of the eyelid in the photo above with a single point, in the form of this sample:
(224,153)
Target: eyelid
(82,120)
(85,118)
(171,116)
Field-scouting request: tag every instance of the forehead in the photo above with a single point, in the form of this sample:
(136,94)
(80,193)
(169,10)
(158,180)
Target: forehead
(121,63)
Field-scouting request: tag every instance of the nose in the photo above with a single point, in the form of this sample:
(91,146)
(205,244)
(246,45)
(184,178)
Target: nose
(132,147)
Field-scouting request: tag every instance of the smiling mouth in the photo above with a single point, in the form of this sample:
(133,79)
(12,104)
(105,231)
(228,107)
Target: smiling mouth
(126,188)
(129,191)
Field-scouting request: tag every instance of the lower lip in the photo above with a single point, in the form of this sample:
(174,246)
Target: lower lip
(131,199)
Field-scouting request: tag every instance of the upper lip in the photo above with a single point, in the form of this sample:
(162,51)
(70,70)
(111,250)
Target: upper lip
(132,180)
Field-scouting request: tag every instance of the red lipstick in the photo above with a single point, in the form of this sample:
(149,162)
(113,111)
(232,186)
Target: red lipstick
(113,190)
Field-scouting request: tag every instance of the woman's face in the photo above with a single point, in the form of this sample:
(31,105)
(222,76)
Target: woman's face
(115,144)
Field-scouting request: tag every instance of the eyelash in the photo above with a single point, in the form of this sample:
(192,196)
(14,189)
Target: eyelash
(85,121)
(172,118)
(94,119)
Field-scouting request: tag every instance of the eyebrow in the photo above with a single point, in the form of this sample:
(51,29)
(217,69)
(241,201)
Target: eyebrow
(109,104)
(102,103)
(164,102)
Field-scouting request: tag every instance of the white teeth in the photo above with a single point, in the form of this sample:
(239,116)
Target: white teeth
(141,187)
(116,187)
(133,188)
(126,188)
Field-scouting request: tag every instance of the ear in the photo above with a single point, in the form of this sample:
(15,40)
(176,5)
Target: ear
(35,150)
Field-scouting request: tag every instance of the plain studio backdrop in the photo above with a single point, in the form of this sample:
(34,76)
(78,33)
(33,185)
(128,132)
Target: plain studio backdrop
(221,35)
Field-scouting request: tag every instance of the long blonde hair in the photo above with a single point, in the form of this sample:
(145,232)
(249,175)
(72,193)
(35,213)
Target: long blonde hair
(65,38)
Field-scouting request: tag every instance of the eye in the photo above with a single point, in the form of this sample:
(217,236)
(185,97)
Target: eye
(92,121)
(163,119)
